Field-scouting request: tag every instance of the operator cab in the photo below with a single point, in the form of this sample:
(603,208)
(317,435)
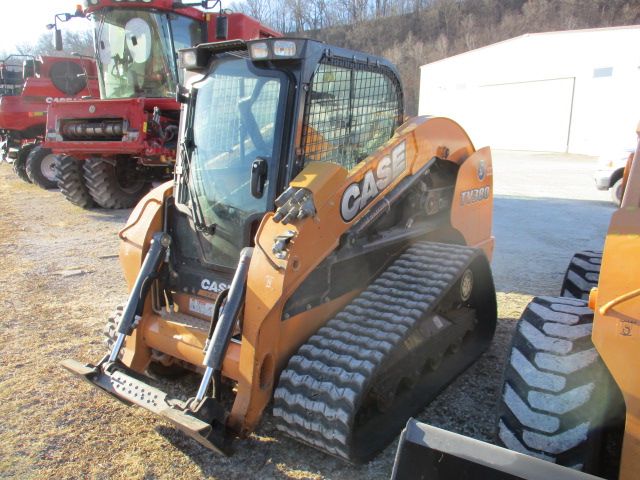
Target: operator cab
(256,113)
(135,49)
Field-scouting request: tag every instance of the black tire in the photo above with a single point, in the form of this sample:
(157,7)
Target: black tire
(616,192)
(19,164)
(114,185)
(110,330)
(40,168)
(559,401)
(582,275)
(71,181)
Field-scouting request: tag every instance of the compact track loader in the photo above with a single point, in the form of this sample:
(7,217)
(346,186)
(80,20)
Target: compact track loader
(315,249)
(570,400)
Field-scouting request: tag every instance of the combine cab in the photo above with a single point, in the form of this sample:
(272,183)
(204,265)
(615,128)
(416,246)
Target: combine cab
(110,151)
(315,248)
(28,86)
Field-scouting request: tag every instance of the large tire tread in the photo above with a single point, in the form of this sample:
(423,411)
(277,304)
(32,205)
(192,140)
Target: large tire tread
(71,181)
(558,399)
(19,164)
(582,274)
(102,183)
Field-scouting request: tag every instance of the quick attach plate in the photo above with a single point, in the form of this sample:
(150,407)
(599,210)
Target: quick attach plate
(122,384)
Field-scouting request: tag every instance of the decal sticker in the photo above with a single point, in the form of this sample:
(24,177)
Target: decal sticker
(481,170)
(473,196)
(360,194)
(199,306)
(211,286)
(53,99)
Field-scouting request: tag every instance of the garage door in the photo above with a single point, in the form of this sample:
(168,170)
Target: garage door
(527,115)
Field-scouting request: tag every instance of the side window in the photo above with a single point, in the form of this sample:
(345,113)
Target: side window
(348,114)
(186,33)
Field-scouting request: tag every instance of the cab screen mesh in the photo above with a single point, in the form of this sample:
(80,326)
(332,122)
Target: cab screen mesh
(351,109)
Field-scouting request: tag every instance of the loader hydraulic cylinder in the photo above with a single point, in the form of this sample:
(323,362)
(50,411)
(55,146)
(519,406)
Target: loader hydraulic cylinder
(159,244)
(224,328)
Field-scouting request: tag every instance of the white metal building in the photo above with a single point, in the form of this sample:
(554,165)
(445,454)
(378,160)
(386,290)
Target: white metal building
(575,91)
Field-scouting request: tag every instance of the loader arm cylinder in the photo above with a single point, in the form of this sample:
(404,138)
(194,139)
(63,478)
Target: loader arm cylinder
(159,244)
(222,333)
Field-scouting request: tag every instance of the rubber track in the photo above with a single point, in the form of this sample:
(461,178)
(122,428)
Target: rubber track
(326,382)
(582,275)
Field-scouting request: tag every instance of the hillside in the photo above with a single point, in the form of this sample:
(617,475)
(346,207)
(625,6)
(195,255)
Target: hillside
(430,30)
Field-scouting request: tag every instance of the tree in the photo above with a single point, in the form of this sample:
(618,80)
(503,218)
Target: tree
(74,42)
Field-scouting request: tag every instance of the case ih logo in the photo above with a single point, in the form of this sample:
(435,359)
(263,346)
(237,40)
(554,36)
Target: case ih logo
(53,99)
(360,194)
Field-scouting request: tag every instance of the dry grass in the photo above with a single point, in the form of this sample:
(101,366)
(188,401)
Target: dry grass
(54,426)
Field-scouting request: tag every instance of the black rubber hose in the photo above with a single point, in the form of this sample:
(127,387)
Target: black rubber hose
(216,311)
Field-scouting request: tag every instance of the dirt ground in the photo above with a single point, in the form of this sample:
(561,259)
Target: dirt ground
(60,278)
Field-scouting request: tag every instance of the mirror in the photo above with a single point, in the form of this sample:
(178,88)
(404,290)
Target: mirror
(222,27)
(57,39)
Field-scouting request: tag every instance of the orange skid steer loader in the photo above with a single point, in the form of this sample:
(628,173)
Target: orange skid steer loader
(315,248)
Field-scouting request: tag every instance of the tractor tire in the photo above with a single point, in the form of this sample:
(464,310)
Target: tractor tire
(616,192)
(19,164)
(113,185)
(71,181)
(559,401)
(40,168)
(582,275)
(110,330)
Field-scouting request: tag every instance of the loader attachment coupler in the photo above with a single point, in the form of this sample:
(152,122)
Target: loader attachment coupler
(204,421)
(203,417)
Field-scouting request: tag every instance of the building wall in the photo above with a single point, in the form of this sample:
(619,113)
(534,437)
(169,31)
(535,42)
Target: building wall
(576,91)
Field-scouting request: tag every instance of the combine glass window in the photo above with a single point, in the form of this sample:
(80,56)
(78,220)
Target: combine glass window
(136,51)
(350,111)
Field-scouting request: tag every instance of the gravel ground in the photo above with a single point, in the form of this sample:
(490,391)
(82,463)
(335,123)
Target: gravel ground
(60,278)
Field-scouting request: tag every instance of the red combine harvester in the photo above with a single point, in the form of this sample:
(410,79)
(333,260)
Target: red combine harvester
(111,150)
(28,85)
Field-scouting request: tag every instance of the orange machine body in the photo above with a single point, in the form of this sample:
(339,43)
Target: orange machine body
(616,303)
(268,341)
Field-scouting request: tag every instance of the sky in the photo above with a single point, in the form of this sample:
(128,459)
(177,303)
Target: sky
(24,21)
